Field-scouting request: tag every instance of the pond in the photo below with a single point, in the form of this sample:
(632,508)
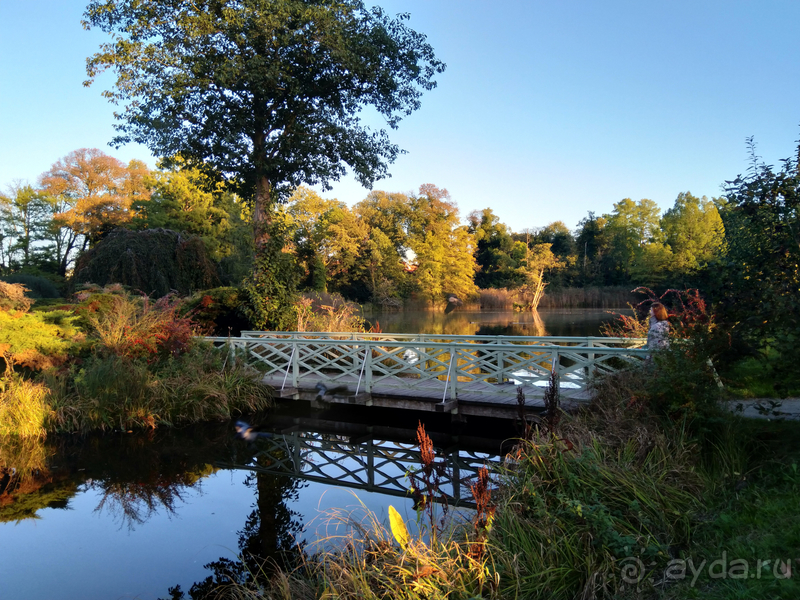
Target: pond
(125,515)
(131,515)
(557,322)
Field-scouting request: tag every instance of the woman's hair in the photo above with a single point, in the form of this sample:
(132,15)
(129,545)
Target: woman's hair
(659,311)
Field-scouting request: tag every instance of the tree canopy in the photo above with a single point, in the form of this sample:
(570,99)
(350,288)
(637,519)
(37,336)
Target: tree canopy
(265,92)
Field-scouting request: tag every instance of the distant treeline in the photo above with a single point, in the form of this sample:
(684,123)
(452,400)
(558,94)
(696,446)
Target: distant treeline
(386,249)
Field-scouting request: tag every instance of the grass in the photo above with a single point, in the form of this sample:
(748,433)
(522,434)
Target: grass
(114,392)
(24,410)
(751,516)
(752,377)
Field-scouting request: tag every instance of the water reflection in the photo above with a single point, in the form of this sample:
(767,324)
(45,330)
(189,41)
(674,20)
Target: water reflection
(173,501)
(564,322)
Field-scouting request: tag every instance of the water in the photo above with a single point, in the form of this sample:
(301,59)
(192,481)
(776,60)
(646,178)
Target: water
(556,322)
(130,515)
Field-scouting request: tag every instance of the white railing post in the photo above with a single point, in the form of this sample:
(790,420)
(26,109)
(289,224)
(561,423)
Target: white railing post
(295,364)
(288,366)
(368,367)
(453,388)
(360,375)
(447,379)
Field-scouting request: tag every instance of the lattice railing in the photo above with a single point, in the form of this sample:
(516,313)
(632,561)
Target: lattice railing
(373,465)
(466,363)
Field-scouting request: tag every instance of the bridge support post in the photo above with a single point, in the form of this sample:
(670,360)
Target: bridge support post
(295,365)
(368,368)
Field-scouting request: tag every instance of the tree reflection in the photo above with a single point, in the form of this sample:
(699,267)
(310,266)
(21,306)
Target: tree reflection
(134,502)
(269,538)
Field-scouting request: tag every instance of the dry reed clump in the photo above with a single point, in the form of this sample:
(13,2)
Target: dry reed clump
(497,299)
(24,410)
(321,311)
(587,297)
(12,297)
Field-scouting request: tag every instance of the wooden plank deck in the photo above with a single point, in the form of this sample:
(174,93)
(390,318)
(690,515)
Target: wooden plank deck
(472,398)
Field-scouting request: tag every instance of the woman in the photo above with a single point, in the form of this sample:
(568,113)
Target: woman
(658,335)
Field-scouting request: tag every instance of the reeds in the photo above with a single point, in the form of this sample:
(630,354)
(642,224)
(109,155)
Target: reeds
(589,297)
(497,299)
(120,393)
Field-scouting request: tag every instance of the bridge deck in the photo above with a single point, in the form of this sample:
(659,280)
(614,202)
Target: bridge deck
(472,399)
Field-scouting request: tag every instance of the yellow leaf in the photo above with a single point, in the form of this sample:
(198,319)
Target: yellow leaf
(399,529)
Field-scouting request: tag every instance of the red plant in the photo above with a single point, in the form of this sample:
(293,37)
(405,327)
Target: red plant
(426,481)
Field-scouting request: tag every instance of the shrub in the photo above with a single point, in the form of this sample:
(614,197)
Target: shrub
(155,261)
(320,311)
(133,327)
(217,311)
(38,287)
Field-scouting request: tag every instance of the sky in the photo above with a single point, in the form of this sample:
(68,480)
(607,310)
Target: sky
(547,110)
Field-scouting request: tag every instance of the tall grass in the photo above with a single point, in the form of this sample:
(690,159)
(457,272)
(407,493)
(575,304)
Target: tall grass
(24,410)
(497,299)
(590,297)
(112,392)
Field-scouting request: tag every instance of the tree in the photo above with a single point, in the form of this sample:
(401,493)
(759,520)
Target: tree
(185,199)
(694,231)
(494,247)
(327,235)
(592,243)
(760,297)
(154,261)
(92,193)
(443,250)
(630,229)
(538,260)
(265,92)
(24,220)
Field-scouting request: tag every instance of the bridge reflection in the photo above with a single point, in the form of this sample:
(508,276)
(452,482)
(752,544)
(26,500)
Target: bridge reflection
(373,459)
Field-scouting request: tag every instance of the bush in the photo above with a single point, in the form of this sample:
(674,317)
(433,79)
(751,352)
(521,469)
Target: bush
(38,287)
(155,261)
(217,311)
(127,326)
(321,311)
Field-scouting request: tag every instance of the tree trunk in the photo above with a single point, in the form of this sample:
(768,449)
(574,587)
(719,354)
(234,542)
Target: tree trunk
(262,217)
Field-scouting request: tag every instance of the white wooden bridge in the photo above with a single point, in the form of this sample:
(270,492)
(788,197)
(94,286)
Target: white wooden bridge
(458,374)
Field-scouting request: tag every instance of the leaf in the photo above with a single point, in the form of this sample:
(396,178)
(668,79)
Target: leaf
(399,529)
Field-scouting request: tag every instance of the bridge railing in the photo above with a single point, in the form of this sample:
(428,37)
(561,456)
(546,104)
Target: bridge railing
(475,365)
(591,341)
(371,465)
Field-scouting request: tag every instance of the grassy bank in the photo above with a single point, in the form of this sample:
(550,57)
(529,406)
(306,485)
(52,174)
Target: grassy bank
(114,361)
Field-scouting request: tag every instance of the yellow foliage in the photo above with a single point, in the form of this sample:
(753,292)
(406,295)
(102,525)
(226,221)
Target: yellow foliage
(399,529)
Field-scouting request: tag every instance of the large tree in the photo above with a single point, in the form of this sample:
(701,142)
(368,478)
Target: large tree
(265,92)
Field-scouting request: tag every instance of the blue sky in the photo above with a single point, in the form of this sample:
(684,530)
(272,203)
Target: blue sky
(547,110)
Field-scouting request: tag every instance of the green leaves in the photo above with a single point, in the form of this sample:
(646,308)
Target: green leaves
(265,90)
